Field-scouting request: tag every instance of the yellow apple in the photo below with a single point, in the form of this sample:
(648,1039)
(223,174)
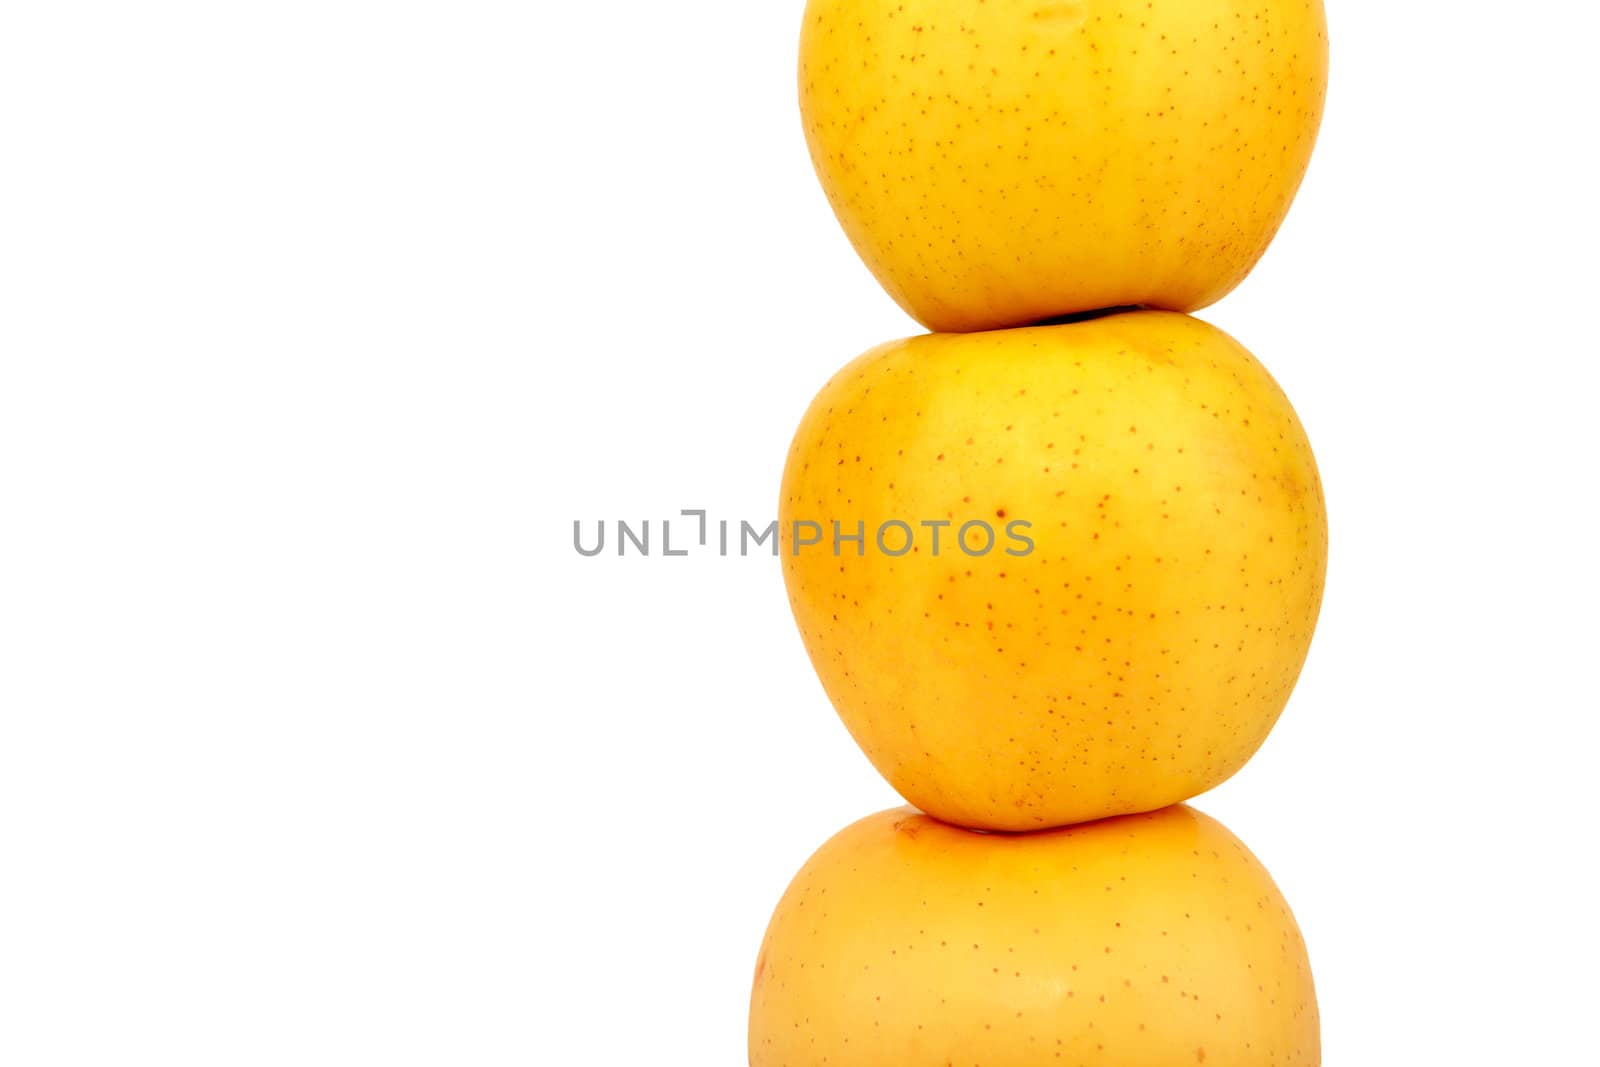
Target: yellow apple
(1000,162)
(1075,571)
(1151,940)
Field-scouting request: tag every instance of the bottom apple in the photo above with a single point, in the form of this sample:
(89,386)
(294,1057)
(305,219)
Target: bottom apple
(1144,941)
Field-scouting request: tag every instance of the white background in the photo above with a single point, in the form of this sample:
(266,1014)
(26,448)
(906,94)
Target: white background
(321,321)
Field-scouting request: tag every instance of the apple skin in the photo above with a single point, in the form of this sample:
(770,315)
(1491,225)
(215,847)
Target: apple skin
(1140,653)
(1000,163)
(1148,941)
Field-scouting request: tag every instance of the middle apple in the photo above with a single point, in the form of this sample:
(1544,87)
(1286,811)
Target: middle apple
(1055,574)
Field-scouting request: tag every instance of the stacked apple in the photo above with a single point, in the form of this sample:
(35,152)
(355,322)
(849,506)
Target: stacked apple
(1070,177)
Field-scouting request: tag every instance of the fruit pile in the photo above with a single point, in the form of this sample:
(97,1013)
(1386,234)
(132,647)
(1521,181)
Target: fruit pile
(1067,553)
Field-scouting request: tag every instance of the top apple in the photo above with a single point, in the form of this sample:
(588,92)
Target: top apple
(1001,162)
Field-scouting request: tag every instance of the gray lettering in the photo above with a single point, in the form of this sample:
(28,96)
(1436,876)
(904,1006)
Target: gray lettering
(1011,531)
(666,540)
(961,537)
(859,538)
(884,548)
(746,530)
(702,516)
(798,542)
(623,532)
(577,541)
